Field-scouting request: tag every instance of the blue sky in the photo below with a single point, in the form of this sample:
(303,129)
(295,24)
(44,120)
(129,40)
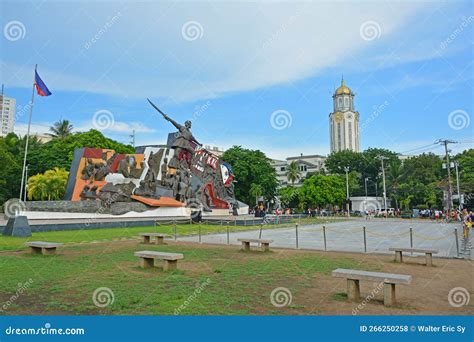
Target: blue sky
(228,66)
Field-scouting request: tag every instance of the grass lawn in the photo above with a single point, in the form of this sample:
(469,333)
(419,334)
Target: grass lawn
(109,234)
(235,282)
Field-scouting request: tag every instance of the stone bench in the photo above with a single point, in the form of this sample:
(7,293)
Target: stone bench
(159,238)
(45,248)
(264,243)
(389,281)
(147,259)
(428,252)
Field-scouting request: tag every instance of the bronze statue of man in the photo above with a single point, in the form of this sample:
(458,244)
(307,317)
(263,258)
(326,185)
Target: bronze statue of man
(183,138)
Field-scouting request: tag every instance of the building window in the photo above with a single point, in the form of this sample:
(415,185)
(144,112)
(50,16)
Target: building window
(303,168)
(282,168)
(346,102)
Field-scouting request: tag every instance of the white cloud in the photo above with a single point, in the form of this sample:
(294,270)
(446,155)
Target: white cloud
(243,47)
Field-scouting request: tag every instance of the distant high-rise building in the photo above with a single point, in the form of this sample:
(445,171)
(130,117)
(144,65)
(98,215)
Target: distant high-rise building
(7,114)
(344,121)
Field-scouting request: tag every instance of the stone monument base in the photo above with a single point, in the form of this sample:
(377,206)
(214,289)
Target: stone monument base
(17,226)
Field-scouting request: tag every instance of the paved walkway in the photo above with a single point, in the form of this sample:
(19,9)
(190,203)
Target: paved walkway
(348,236)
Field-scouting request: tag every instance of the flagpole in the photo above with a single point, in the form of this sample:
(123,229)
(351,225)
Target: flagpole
(28,136)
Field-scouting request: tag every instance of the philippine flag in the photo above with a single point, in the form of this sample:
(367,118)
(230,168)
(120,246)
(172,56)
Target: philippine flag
(41,88)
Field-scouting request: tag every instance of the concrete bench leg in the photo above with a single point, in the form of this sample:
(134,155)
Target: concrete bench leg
(170,265)
(388,294)
(35,250)
(159,240)
(48,251)
(146,239)
(353,289)
(246,246)
(265,247)
(146,262)
(429,259)
(398,256)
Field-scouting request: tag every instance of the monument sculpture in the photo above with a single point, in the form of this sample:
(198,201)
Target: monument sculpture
(181,174)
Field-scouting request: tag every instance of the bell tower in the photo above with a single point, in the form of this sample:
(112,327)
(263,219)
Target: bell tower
(344,121)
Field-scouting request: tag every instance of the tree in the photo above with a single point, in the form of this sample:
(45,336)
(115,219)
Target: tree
(256,190)
(466,176)
(61,129)
(251,166)
(337,161)
(321,191)
(289,196)
(394,177)
(48,186)
(293,172)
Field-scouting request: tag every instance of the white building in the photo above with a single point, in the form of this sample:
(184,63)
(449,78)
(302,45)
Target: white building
(344,121)
(7,115)
(306,164)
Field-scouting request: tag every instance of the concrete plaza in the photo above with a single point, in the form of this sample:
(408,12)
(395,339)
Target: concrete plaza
(349,236)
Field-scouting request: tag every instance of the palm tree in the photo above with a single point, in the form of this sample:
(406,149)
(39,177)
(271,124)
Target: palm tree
(256,190)
(48,186)
(293,172)
(61,129)
(394,177)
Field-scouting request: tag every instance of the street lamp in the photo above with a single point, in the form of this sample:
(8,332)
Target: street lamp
(382,158)
(346,169)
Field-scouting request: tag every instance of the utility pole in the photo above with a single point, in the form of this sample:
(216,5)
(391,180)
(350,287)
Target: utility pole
(456,167)
(445,142)
(346,169)
(382,158)
(132,136)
